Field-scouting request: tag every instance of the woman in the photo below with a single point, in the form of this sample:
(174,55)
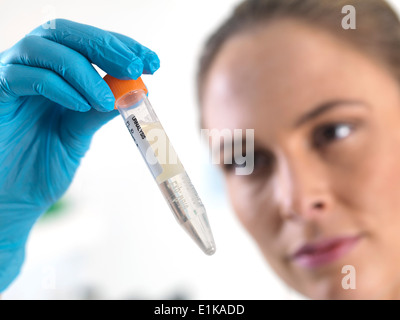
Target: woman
(324,103)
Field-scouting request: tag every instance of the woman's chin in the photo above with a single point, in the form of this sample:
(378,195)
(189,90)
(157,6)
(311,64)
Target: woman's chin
(366,286)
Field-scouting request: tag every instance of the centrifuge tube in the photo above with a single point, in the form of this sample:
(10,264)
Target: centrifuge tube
(162,160)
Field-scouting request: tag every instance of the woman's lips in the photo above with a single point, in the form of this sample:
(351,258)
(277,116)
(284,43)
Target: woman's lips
(323,252)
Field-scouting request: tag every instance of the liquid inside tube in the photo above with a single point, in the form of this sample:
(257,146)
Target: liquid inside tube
(188,210)
(167,170)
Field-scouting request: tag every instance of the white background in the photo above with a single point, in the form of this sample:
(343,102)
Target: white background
(116,238)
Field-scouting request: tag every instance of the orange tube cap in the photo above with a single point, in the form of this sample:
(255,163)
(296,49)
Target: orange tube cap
(122,87)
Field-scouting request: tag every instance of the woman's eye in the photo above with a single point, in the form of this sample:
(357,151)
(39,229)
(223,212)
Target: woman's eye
(263,163)
(330,133)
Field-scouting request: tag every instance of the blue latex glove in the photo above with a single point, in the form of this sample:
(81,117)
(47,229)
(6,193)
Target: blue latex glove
(52,101)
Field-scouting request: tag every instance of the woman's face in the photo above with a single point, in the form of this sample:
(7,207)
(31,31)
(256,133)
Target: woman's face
(325,190)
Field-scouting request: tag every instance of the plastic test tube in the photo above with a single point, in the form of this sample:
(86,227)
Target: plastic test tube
(146,130)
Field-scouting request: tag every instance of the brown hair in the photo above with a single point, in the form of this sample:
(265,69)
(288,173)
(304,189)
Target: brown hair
(377,32)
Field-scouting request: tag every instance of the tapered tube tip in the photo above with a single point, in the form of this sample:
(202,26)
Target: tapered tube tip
(210,251)
(199,230)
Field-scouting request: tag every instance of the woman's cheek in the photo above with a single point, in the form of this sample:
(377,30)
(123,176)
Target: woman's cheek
(363,170)
(378,175)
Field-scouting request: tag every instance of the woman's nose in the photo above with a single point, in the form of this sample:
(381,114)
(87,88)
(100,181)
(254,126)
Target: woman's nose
(304,190)
(306,207)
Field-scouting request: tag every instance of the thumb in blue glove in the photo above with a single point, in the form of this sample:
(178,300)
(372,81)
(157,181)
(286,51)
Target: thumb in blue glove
(52,101)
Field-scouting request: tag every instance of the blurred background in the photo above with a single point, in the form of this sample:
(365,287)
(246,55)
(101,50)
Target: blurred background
(112,235)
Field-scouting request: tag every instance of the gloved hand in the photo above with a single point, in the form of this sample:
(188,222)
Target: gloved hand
(52,101)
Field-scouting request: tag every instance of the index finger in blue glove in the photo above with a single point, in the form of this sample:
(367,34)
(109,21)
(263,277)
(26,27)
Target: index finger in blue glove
(73,67)
(98,46)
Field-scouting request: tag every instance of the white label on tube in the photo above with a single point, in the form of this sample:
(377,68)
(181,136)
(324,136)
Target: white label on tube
(144,146)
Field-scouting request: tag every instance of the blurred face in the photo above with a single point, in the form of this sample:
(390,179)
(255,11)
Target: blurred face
(325,190)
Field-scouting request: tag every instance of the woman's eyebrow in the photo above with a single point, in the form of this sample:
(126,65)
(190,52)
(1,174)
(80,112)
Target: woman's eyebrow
(325,107)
